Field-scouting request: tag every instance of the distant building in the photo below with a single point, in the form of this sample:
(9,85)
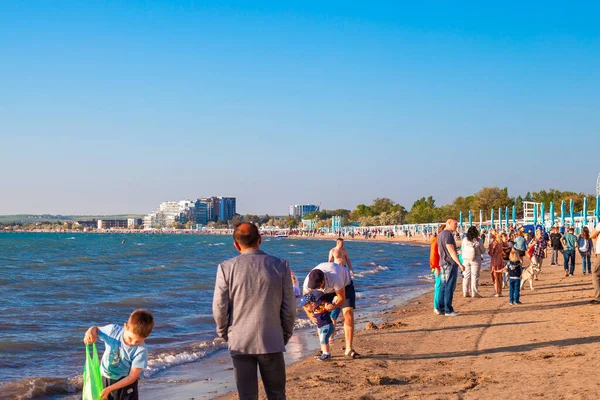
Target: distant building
(112,224)
(226,208)
(212,208)
(300,210)
(88,224)
(134,223)
(198,212)
(201,212)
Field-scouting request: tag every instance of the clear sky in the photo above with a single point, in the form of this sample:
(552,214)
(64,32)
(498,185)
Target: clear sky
(115,106)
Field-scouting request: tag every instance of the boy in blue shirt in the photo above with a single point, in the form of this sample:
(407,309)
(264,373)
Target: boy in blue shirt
(125,355)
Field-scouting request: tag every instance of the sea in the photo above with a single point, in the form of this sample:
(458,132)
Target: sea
(53,286)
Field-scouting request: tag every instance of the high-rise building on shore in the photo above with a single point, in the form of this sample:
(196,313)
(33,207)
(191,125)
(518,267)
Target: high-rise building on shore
(198,212)
(300,210)
(226,208)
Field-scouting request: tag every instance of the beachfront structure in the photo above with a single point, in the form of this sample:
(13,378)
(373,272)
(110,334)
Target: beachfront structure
(212,208)
(134,223)
(226,208)
(197,212)
(112,224)
(300,210)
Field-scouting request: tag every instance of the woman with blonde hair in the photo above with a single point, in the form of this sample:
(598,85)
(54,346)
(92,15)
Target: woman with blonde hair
(497,262)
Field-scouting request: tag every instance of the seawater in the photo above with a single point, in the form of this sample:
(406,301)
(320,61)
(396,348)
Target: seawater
(54,286)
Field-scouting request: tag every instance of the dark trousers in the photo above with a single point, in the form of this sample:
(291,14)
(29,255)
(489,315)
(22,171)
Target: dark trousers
(272,372)
(569,255)
(127,393)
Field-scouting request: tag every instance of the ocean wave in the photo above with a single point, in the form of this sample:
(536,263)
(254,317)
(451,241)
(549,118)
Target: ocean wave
(216,244)
(360,295)
(70,238)
(375,270)
(296,252)
(303,323)
(170,358)
(428,278)
(157,268)
(32,388)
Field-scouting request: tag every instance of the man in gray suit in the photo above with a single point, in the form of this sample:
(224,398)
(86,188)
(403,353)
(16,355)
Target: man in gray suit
(254,308)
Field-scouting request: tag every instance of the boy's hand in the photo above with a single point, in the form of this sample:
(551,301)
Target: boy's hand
(105,393)
(91,336)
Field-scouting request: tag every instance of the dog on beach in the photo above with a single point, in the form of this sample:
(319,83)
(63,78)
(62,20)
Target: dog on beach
(530,274)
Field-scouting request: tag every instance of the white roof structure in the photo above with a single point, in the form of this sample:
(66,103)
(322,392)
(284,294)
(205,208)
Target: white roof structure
(598,186)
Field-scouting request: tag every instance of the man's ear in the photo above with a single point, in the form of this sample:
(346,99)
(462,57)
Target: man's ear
(237,246)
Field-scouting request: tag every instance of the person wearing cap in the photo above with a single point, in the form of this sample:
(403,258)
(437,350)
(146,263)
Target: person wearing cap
(334,280)
(255,309)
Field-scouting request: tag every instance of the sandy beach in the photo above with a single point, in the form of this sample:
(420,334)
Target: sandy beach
(545,347)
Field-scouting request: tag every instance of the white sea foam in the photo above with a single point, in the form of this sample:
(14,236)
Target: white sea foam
(375,270)
(71,238)
(296,252)
(216,244)
(167,359)
(428,278)
(303,323)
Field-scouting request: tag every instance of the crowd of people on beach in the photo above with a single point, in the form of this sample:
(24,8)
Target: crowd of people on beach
(508,251)
(256,298)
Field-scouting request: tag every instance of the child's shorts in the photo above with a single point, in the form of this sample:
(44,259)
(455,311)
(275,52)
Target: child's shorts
(325,333)
(127,393)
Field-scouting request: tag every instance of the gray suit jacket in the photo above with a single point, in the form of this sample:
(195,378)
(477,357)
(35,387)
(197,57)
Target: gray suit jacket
(254,304)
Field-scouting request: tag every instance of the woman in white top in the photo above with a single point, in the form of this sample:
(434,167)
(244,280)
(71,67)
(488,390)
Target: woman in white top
(472,250)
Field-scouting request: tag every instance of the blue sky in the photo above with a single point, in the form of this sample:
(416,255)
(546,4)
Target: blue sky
(113,107)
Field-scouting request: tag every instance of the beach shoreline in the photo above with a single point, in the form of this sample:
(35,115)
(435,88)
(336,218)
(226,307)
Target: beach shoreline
(549,341)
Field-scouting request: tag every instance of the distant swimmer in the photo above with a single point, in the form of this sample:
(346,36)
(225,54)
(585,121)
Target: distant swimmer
(339,255)
(124,240)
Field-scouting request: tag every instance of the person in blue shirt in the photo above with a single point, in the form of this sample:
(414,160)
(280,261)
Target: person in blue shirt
(125,355)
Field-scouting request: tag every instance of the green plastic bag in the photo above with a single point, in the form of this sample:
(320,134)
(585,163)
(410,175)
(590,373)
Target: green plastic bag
(92,380)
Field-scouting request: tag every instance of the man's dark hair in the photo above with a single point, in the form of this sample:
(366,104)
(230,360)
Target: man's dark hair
(340,239)
(246,234)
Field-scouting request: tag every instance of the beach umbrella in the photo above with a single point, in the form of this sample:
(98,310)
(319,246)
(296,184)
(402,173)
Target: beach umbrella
(514,215)
(551,214)
(597,208)
(470,218)
(492,223)
(500,218)
(460,220)
(572,212)
(480,219)
(506,213)
(562,213)
(543,212)
(535,215)
(584,212)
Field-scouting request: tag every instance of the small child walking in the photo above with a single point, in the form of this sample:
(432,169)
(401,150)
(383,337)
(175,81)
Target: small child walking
(514,270)
(125,355)
(323,321)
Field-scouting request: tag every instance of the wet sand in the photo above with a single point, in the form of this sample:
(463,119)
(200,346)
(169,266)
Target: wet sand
(547,347)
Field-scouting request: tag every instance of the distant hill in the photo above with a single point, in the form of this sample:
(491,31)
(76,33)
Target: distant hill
(32,218)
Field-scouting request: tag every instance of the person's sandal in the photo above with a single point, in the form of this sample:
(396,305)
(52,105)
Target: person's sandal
(353,354)
(324,357)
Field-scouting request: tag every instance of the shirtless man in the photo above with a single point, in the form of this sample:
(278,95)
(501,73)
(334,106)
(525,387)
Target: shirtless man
(339,255)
